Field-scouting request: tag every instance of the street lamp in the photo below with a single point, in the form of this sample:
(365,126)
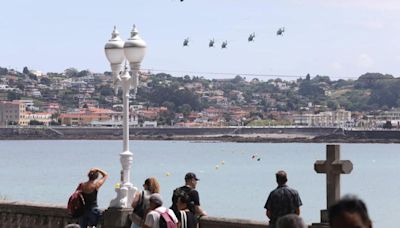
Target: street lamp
(117,51)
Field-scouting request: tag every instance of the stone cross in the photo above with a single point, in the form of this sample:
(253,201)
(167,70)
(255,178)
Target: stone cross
(332,167)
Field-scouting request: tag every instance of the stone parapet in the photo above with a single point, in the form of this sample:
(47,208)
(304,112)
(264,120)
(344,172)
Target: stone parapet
(29,215)
(214,222)
(34,215)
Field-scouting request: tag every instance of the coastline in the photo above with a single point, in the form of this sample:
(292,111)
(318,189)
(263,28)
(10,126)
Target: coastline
(253,138)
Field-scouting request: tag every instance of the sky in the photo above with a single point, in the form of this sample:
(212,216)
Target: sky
(337,38)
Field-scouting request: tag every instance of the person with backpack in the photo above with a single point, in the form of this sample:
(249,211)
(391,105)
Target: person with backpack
(186,218)
(89,190)
(159,216)
(189,190)
(141,201)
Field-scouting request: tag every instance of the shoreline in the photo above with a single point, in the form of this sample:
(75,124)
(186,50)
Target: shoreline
(222,134)
(256,138)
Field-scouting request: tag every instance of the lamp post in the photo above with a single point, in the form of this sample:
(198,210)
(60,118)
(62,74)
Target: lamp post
(117,51)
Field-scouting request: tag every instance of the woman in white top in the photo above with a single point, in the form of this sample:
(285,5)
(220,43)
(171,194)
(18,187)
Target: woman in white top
(141,201)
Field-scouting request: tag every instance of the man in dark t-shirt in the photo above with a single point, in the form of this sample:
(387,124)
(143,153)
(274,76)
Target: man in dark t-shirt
(189,189)
(282,201)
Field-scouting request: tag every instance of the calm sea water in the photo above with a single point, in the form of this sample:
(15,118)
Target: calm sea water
(235,177)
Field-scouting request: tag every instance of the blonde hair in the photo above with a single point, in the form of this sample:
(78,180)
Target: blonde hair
(152,185)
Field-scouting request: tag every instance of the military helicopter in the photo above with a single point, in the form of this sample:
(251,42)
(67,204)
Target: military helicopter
(211,43)
(280,31)
(224,44)
(251,37)
(186,42)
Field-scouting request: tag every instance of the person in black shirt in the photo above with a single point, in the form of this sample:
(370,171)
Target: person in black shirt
(189,190)
(282,201)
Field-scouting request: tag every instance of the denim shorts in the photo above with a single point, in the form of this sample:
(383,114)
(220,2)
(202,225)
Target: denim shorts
(90,217)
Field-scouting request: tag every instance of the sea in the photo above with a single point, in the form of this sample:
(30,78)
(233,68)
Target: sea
(235,178)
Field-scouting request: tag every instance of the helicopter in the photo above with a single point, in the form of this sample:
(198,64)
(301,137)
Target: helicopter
(186,42)
(280,31)
(224,44)
(251,37)
(211,43)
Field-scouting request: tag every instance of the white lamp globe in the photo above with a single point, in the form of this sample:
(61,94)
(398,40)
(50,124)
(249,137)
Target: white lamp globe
(135,47)
(114,48)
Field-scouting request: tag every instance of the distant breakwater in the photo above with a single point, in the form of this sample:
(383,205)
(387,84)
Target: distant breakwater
(235,134)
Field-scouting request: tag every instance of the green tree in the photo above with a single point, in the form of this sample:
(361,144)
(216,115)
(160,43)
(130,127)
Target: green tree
(26,70)
(371,80)
(3,71)
(166,118)
(71,72)
(13,96)
(106,90)
(169,105)
(33,77)
(84,73)
(311,90)
(185,109)
(45,81)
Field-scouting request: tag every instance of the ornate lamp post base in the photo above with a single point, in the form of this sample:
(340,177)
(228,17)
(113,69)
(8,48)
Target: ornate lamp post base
(125,190)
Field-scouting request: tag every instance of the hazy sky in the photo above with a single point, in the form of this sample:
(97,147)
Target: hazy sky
(338,38)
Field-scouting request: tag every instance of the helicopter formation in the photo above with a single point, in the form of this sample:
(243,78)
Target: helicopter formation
(224,44)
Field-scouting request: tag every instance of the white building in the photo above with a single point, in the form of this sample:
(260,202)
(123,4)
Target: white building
(150,124)
(5,88)
(43,117)
(338,118)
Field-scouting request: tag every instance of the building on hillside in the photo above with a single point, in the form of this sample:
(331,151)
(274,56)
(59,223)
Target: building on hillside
(219,100)
(150,124)
(37,73)
(85,116)
(42,117)
(13,112)
(51,107)
(5,88)
(339,118)
(392,116)
(90,103)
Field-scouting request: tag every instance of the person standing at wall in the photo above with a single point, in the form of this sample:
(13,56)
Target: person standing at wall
(282,200)
(156,210)
(186,218)
(189,190)
(141,201)
(89,191)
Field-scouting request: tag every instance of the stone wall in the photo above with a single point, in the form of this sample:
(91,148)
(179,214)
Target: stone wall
(213,222)
(30,215)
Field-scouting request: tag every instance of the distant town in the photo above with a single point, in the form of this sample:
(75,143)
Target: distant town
(85,98)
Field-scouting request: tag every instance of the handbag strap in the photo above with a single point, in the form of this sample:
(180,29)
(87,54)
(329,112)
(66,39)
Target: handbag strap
(183,219)
(79,187)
